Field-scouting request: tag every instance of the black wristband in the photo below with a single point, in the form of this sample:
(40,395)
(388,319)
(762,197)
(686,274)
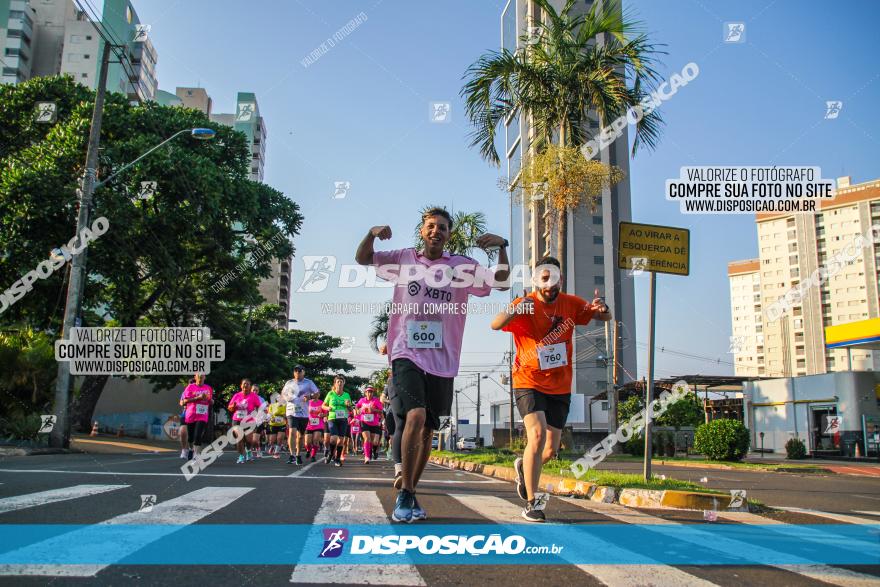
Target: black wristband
(506,244)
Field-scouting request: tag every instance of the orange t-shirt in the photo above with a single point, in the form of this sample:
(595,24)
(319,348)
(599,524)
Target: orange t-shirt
(536,335)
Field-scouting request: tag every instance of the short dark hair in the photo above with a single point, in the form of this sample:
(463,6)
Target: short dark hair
(548,260)
(437,211)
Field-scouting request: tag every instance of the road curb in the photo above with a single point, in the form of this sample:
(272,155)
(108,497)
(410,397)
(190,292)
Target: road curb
(10,451)
(642,498)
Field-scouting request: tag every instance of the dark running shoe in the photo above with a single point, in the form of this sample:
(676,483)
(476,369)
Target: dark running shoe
(403,508)
(531,514)
(299,460)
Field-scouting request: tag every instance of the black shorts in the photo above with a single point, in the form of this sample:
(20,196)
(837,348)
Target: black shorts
(297,423)
(195,432)
(555,407)
(415,388)
(276,429)
(371,429)
(338,427)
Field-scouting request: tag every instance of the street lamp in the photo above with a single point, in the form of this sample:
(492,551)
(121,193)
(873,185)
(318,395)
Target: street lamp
(60,435)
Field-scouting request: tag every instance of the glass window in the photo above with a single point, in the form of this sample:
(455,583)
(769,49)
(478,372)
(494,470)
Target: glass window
(599,259)
(512,130)
(599,280)
(508,27)
(597,220)
(597,240)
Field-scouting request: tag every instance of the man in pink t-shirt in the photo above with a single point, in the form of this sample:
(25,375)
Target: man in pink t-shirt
(425,329)
(196,400)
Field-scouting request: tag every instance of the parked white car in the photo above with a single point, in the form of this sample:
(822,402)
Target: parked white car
(467,443)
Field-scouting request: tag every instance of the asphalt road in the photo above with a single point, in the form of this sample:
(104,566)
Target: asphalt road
(270,493)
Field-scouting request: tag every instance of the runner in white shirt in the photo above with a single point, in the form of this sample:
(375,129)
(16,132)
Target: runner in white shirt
(296,393)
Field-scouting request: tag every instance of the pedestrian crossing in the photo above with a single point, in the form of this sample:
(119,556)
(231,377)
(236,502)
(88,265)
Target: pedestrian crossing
(350,507)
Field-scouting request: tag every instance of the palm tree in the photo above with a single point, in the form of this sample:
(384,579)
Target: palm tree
(466,227)
(562,75)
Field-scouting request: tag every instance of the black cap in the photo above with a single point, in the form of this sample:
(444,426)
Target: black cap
(299,368)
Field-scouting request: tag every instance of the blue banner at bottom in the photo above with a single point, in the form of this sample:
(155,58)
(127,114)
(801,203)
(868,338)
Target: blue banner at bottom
(550,544)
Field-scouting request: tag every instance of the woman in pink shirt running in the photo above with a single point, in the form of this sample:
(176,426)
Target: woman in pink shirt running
(315,427)
(369,411)
(196,400)
(243,405)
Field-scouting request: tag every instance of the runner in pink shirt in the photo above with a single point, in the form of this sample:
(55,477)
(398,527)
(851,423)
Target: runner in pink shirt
(369,411)
(315,426)
(243,405)
(197,399)
(425,329)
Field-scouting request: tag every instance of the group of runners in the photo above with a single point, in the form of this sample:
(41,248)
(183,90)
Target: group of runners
(298,421)
(423,346)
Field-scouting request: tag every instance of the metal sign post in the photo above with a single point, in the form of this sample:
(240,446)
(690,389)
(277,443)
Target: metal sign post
(653,249)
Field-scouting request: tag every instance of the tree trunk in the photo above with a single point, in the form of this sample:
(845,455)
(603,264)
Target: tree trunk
(83,407)
(561,242)
(562,227)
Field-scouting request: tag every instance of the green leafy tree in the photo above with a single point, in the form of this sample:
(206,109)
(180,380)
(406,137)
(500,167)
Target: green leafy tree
(162,258)
(562,74)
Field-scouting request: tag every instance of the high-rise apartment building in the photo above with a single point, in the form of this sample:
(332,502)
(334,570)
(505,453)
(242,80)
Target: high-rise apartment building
(48,37)
(275,289)
(592,236)
(791,248)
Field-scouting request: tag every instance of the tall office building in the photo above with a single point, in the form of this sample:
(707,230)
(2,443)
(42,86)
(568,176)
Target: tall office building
(275,289)
(48,37)
(592,237)
(791,247)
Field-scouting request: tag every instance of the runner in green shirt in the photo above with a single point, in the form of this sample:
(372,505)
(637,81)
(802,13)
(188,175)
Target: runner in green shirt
(337,404)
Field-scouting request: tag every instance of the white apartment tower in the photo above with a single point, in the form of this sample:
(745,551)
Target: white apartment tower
(791,247)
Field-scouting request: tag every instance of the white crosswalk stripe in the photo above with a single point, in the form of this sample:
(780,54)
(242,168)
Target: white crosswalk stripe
(346,508)
(79,544)
(644,572)
(846,519)
(20,502)
(819,572)
(801,532)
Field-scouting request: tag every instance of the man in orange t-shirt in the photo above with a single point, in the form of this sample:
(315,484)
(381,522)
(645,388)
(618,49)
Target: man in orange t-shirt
(543,324)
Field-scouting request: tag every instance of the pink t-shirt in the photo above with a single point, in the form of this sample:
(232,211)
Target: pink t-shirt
(428,313)
(355,426)
(371,418)
(316,415)
(197,411)
(245,404)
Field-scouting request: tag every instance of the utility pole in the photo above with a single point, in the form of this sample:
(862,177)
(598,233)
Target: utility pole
(479,435)
(60,435)
(612,399)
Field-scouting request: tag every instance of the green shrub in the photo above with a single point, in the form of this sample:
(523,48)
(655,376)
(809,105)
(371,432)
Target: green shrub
(795,448)
(722,440)
(635,446)
(20,426)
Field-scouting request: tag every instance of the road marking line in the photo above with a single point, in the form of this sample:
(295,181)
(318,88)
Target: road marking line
(819,572)
(870,513)
(123,444)
(247,476)
(830,515)
(167,516)
(866,496)
(20,502)
(302,469)
(643,571)
(799,532)
(357,507)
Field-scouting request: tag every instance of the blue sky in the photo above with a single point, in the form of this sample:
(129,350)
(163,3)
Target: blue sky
(360,114)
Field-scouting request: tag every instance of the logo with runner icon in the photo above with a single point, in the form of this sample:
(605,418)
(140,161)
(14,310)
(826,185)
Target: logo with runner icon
(334,539)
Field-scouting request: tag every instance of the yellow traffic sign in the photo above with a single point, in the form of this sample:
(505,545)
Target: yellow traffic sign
(648,247)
